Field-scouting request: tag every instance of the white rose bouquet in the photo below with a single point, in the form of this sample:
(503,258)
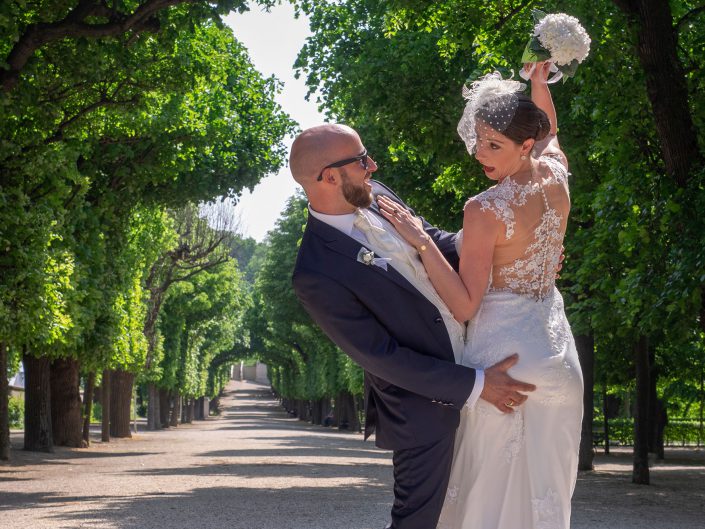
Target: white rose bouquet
(558,38)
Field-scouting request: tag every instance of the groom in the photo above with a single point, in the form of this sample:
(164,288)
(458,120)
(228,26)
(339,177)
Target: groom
(380,312)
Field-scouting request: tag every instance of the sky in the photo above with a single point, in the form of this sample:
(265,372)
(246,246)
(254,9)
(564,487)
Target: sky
(273,40)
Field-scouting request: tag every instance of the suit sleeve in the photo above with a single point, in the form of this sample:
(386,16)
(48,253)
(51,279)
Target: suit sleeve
(354,329)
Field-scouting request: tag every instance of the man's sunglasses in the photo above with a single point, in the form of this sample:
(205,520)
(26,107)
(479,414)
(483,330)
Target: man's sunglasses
(362,158)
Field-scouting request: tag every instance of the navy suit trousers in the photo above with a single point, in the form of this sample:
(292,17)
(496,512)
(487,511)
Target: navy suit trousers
(421,477)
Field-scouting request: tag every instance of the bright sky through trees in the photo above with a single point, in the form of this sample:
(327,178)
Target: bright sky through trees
(273,40)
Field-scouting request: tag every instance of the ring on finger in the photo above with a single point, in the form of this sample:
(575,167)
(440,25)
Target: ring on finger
(510,403)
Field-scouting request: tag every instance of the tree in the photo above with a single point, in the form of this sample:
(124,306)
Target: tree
(97,127)
(307,370)
(202,244)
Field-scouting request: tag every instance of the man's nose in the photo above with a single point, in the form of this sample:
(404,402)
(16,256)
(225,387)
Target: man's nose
(371,165)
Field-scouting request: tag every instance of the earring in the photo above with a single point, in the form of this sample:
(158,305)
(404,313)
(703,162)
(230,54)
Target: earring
(523,156)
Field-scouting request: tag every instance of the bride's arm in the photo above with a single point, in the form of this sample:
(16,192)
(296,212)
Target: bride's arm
(462,293)
(541,96)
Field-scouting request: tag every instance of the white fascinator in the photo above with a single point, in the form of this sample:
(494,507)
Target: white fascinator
(491,101)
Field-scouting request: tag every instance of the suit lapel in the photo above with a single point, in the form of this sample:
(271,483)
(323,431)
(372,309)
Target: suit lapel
(348,247)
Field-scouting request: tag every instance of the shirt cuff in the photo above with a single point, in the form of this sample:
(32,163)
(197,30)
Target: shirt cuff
(477,388)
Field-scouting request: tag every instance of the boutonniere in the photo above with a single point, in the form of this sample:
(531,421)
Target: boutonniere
(367,257)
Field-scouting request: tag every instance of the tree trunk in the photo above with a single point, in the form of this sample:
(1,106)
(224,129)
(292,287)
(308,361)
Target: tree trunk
(337,409)
(316,412)
(665,84)
(701,438)
(656,411)
(164,406)
(88,407)
(66,423)
(120,403)
(605,413)
(702,403)
(187,413)
(153,408)
(302,409)
(37,404)
(358,406)
(4,409)
(348,412)
(105,404)
(190,409)
(198,409)
(214,405)
(586,352)
(640,471)
(176,410)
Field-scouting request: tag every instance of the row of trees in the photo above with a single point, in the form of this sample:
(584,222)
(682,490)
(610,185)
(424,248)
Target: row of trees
(306,369)
(117,120)
(632,124)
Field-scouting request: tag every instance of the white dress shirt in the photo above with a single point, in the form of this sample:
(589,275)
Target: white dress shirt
(345,224)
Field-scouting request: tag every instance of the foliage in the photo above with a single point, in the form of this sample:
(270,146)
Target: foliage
(106,125)
(200,320)
(303,363)
(16,412)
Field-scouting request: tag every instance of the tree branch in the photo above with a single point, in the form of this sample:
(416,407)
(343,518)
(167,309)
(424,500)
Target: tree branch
(506,18)
(102,102)
(690,14)
(75,25)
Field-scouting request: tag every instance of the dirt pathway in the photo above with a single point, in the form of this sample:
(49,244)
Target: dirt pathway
(256,468)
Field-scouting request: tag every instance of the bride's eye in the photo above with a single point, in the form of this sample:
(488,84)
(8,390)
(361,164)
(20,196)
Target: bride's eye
(494,146)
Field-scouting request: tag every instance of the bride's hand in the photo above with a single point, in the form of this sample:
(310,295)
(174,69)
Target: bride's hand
(407,225)
(538,72)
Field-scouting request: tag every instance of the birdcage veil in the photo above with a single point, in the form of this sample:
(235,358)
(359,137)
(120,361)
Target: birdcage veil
(492,101)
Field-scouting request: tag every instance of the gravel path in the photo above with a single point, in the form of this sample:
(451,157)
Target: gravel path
(256,468)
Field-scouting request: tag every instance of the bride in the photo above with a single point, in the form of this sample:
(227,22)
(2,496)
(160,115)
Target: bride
(513,468)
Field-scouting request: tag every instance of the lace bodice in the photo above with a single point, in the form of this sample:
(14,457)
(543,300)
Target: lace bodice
(535,216)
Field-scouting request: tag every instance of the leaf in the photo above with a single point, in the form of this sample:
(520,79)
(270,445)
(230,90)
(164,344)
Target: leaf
(534,52)
(538,15)
(569,69)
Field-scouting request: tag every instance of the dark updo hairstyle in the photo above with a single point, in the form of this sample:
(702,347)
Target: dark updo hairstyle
(528,122)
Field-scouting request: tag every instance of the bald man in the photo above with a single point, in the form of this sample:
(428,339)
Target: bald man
(361,283)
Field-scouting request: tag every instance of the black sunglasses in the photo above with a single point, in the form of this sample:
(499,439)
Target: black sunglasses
(362,158)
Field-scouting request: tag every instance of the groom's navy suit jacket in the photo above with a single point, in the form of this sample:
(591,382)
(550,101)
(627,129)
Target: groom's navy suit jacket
(413,388)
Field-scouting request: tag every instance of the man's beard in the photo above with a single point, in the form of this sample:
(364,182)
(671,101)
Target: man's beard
(358,196)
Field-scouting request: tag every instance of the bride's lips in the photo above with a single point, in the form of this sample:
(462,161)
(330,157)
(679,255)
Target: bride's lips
(487,168)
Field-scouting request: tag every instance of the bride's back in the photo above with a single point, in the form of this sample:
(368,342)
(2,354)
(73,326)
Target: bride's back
(535,215)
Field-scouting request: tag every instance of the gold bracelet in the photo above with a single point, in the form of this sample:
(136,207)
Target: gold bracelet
(423,247)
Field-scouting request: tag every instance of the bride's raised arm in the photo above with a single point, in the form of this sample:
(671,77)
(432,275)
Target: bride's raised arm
(541,96)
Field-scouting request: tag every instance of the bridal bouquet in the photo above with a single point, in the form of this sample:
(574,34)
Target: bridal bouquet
(558,38)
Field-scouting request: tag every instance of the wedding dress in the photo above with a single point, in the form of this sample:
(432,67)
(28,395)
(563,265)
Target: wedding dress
(518,470)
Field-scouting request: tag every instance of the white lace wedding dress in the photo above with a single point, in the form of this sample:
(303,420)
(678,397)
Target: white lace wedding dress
(518,470)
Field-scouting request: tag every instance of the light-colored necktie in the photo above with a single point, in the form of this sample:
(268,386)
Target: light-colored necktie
(381,241)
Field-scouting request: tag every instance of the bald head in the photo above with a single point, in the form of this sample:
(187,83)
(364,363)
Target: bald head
(319,146)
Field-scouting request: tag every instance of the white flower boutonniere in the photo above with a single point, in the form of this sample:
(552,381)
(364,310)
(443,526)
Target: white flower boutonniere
(367,257)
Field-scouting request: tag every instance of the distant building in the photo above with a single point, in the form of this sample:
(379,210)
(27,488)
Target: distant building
(255,373)
(17,384)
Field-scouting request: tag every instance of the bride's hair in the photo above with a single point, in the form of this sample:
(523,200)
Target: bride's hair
(529,122)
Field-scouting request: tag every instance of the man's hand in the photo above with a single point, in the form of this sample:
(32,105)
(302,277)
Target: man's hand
(560,262)
(501,390)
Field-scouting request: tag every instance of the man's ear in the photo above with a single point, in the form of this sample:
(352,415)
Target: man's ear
(329,175)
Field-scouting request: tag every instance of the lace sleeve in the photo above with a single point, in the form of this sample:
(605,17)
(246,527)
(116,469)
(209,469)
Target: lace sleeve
(554,169)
